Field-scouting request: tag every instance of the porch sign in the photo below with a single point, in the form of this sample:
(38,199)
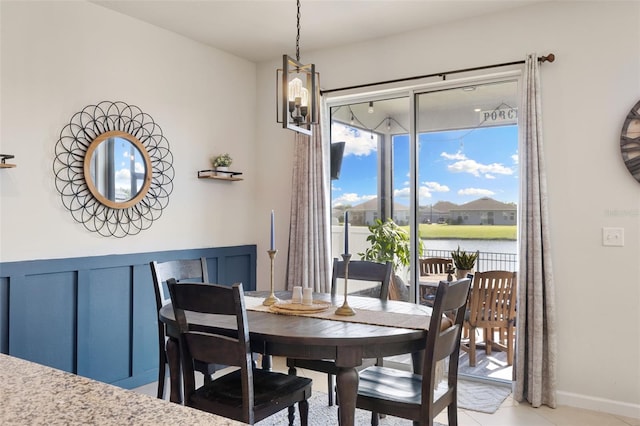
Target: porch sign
(498,116)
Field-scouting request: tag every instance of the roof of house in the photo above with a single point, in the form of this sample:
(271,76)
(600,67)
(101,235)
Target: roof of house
(484,204)
(444,206)
(372,204)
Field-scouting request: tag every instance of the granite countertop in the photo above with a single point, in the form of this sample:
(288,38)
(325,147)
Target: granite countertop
(33,394)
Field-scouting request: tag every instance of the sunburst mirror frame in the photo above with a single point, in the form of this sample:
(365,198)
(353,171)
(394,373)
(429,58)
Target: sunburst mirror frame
(77,142)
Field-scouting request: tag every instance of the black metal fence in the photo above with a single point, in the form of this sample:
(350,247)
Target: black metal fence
(487,261)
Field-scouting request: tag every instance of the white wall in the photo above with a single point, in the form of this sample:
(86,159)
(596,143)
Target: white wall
(587,93)
(58,57)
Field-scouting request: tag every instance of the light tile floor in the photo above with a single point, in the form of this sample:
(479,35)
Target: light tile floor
(511,413)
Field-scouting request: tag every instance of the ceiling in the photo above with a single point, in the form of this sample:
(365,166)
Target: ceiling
(262,30)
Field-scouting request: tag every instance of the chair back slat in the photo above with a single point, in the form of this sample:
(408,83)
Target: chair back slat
(446,344)
(182,270)
(435,265)
(364,270)
(215,349)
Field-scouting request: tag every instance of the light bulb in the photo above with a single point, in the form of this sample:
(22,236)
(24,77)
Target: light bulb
(370,107)
(295,89)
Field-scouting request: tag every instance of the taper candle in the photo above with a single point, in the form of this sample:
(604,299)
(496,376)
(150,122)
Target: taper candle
(346,232)
(273,237)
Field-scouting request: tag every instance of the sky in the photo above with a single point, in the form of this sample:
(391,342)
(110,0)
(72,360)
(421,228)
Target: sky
(457,166)
(122,157)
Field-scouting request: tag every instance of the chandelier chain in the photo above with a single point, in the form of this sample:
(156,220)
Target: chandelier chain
(298,36)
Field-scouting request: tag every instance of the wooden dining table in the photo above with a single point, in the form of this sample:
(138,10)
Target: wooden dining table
(348,343)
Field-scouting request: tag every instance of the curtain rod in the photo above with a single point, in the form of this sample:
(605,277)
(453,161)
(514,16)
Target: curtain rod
(549,58)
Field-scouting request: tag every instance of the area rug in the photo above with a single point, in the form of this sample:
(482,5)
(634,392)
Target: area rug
(320,414)
(475,396)
(479,396)
(492,366)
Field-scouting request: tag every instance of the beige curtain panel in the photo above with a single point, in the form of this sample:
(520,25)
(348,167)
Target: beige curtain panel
(536,348)
(308,257)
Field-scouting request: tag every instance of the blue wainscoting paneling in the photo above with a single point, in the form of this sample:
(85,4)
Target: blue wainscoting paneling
(104,324)
(42,318)
(4,314)
(96,316)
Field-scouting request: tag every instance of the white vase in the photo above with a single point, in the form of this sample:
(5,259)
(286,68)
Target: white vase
(222,171)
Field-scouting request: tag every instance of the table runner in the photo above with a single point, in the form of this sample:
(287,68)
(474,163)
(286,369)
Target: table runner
(363,316)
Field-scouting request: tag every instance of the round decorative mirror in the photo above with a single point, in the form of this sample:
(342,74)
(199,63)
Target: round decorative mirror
(630,141)
(117,169)
(113,169)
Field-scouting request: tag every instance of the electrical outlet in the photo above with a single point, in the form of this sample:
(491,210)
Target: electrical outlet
(613,237)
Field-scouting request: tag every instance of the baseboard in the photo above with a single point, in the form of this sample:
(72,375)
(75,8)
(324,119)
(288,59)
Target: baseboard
(599,404)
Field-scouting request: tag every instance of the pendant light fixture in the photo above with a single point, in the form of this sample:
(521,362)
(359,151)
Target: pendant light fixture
(297,91)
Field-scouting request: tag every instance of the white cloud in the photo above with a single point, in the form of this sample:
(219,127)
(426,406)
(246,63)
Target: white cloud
(516,158)
(488,176)
(351,199)
(358,142)
(435,187)
(476,192)
(122,175)
(402,193)
(457,156)
(425,191)
(476,169)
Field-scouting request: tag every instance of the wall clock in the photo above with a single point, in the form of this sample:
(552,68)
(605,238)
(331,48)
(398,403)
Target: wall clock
(630,141)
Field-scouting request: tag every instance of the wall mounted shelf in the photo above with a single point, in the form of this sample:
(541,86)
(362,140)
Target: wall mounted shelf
(3,158)
(213,174)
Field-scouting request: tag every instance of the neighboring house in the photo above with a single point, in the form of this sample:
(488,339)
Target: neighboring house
(436,213)
(366,213)
(484,211)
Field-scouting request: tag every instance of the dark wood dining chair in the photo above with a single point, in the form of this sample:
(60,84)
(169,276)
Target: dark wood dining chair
(419,397)
(183,270)
(246,394)
(492,308)
(360,270)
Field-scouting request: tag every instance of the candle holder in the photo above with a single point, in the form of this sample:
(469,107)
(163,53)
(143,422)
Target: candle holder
(345,309)
(272,297)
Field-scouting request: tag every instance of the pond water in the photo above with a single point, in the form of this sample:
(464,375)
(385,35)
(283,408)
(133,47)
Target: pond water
(487,246)
(494,254)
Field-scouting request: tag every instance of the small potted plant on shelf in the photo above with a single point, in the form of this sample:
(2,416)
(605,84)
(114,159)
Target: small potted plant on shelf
(221,163)
(464,262)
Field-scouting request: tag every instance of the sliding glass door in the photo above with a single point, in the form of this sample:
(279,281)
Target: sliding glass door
(440,163)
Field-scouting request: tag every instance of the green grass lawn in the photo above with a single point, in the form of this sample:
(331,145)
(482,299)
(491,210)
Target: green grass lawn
(461,232)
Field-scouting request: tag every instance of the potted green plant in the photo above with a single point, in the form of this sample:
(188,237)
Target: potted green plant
(464,262)
(390,243)
(221,162)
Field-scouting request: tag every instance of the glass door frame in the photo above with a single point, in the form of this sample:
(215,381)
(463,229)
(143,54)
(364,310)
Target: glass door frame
(412,92)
